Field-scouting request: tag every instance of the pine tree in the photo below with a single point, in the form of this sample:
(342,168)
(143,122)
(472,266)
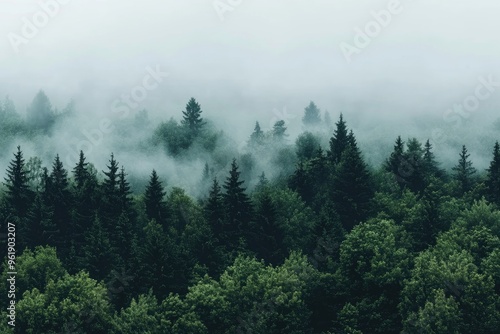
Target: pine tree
(237,205)
(214,209)
(415,171)
(18,194)
(312,115)
(40,113)
(192,119)
(464,171)
(85,200)
(124,193)
(155,205)
(257,136)
(279,131)
(352,190)
(338,142)
(430,165)
(80,172)
(111,206)
(493,179)
(59,197)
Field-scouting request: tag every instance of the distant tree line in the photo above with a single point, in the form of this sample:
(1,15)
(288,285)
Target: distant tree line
(327,245)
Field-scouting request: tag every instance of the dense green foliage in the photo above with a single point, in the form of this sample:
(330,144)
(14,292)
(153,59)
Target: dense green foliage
(328,244)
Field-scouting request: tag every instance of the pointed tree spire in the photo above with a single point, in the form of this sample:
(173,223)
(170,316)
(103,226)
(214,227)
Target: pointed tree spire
(464,171)
(236,202)
(80,172)
(214,209)
(192,118)
(493,180)
(124,191)
(279,131)
(18,194)
(312,115)
(352,189)
(338,142)
(257,136)
(60,199)
(431,166)
(155,205)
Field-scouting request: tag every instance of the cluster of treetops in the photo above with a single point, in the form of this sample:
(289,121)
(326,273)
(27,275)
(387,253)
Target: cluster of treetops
(332,247)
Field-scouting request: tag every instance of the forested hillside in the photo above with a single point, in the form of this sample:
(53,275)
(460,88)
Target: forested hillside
(276,236)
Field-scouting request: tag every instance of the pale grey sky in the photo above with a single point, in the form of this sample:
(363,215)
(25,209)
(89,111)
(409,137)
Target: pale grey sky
(264,55)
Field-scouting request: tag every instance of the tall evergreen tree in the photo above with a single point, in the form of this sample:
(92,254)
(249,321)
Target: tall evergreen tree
(80,172)
(279,131)
(430,165)
(352,190)
(59,197)
(393,163)
(40,113)
(18,194)
(493,179)
(464,171)
(257,136)
(312,115)
(155,204)
(85,200)
(192,119)
(237,205)
(338,142)
(111,207)
(124,193)
(415,173)
(214,209)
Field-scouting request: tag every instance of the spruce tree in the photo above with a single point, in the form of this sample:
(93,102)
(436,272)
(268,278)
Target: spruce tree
(124,193)
(18,194)
(393,162)
(214,210)
(111,206)
(338,142)
(312,115)
(414,171)
(85,200)
(80,172)
(431,166)
(464,171)
(257,136)
(192,119)
(153,197)
(352,189)
(493,179)
(237,205)
(59,197)
(279,131)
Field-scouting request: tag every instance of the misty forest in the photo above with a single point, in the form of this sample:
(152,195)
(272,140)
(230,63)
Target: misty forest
(272,235)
